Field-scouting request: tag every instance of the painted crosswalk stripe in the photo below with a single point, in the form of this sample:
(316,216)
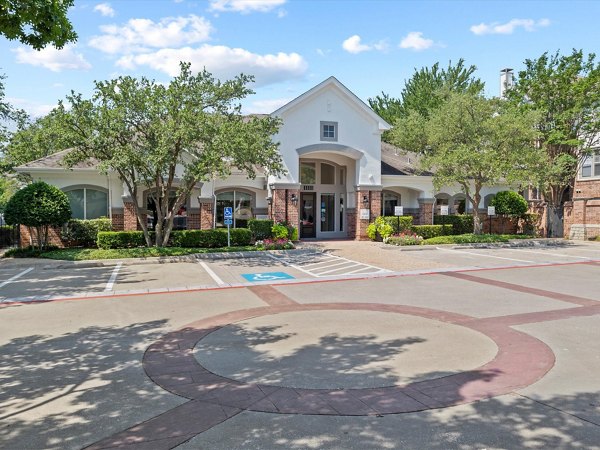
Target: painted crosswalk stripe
(17,276)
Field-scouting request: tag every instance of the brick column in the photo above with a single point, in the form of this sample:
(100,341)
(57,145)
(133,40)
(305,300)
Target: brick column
(193,219)
(351,223)
(426,211)
(374,208)
(130,222)
(206,214)
(118,219)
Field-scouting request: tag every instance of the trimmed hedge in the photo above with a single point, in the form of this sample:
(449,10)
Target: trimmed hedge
(461,223)
(180,238)
(120,239)
(473,239)
(260,228)
(84,233)
(405,223)
(431,231)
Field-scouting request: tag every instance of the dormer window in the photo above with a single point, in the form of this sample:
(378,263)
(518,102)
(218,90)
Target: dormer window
(329,131)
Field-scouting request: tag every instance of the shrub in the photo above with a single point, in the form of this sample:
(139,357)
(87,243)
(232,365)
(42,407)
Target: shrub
(280,231)
(202,238)
(529,223)
(120,239)
(379,227)
(8,236)
(274,244)
(38,206)
(471,239)
(84,233)
(404,238)
(509,203)
(260,228)
(405,223)
(430,231)
(240,237)
(29,252)
(461,223)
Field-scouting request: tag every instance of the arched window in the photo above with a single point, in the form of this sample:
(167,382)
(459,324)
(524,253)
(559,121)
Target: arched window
(390,201)
(242,203)
(87,202)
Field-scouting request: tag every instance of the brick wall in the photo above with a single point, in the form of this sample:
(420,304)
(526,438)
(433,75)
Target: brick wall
(53,237)
(206,216)
(374,197)
(425,212)
(118,221)
(130,222)
(282,209)
(193,219)
(351,222)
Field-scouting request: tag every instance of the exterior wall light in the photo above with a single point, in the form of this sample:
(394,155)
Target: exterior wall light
(269,200)
(365,200)
(294,199)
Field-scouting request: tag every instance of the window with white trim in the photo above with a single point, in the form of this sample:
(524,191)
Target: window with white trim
(590,167)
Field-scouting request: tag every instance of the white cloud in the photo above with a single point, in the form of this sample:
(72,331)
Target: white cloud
(266,106)
(223,62)
(143,34)
(509,27)
(415,40)
(354,45)
(244,6)
(34,109)
(105,9)
(52,58)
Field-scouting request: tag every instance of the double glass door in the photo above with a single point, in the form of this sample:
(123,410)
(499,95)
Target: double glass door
(318,214)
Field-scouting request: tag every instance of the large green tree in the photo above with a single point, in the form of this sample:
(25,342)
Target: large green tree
(425,91)
(473,142)
(37,23)
(33,140)
(565,90)
(165,138)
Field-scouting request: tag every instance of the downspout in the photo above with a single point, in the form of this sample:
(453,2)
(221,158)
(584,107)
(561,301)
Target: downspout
(109,198)
(286,206)
(214,203)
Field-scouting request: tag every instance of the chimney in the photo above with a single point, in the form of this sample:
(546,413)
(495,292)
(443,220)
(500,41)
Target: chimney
(506,81)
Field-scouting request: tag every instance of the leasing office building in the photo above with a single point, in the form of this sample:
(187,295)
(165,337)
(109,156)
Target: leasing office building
(339,176)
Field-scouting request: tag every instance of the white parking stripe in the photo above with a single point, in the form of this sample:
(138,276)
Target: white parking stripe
(113,277)
(551,254)
(213,275)
(19,275)
(483,256)
(330,258)
(329,265)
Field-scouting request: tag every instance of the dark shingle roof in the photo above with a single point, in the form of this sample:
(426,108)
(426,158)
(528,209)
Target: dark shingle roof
(395,161)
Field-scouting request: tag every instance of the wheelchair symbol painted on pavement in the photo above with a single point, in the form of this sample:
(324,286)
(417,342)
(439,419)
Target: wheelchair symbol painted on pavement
(267,276)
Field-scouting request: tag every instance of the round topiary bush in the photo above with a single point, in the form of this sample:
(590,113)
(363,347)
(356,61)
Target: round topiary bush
(38,206)
(509,203)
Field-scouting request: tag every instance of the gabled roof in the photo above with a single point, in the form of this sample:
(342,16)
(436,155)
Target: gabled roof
(55,161)
(333,81)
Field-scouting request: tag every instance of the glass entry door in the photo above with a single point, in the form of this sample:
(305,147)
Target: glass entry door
(307,215)
(327,212)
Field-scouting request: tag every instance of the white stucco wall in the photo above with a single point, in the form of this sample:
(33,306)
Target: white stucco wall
(355,129)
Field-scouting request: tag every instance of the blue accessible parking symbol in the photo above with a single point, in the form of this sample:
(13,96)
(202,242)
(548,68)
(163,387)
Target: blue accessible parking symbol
(267,276)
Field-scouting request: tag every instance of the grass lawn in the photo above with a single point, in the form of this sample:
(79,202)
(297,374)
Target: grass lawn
(473,238)
(83,254)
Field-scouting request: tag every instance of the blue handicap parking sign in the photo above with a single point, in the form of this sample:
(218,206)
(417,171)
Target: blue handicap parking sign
(267,276)
(228,214)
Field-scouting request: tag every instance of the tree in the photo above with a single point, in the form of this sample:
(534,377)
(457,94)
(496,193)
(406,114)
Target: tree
(473,142)
(33,140)
(166,139)
(8,186)
(38,206)
(425,91)
(37,22)
(509,204)
(565,90)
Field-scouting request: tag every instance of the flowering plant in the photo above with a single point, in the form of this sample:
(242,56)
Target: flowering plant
(404,238)
(274,244)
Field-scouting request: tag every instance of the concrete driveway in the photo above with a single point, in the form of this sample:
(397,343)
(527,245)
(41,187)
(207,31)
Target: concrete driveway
(500,356)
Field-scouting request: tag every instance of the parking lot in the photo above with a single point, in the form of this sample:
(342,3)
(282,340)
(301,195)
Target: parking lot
(47,280)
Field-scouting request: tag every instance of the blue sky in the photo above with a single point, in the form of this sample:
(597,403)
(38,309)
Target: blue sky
(291,45)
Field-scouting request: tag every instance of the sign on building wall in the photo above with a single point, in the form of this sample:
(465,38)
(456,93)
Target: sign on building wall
(365,214)
(398,210)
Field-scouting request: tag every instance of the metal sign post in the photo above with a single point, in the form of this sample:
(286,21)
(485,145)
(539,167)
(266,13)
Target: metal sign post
(398,211)
(492,212)
(228,216)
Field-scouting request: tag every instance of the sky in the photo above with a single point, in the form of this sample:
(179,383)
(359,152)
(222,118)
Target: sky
(292,45)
